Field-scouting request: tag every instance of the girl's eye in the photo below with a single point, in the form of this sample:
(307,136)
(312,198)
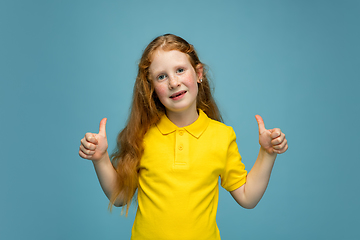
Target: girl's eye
(180,70)
(161,77)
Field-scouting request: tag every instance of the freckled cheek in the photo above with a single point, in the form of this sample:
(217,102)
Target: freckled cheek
(161,91)
(190,82)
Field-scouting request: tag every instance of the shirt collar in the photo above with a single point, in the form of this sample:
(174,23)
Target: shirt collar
(165,126)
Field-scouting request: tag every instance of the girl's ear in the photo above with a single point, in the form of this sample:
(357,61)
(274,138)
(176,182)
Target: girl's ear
(199,71)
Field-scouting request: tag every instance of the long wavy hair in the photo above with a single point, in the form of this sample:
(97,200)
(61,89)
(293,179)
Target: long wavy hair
(146,110)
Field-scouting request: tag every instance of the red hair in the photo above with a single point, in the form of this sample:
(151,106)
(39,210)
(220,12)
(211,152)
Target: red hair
(146,110)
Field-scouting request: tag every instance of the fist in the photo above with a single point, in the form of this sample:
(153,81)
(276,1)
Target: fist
(272,140)
(93,146)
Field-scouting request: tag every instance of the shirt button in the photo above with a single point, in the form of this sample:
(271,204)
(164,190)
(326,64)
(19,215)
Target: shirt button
(181,147)
(181,132)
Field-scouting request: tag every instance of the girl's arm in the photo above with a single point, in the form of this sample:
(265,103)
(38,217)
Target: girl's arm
(94,147)
(272,142)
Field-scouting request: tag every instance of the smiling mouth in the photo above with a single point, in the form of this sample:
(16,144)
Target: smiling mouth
(175,95)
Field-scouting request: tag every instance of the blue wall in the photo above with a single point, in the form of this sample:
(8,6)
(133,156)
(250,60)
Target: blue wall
(64,65)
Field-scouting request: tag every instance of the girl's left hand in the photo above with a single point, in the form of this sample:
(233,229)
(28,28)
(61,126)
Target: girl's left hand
(272,140)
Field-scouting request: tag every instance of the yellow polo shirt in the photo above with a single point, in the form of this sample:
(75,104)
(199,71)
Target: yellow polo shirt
(178,182)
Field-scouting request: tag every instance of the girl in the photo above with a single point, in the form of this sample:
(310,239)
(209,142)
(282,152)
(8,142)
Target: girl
(174,148)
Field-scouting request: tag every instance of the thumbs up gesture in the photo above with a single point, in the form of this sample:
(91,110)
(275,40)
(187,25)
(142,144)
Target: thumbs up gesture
(93,146)
(272,140)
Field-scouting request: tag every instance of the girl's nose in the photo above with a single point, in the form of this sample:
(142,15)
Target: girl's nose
(173,82)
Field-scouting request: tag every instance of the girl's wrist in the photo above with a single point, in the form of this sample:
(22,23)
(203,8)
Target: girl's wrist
(266,154)
(103,159)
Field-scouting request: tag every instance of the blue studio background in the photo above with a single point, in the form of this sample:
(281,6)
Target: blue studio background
(64,65)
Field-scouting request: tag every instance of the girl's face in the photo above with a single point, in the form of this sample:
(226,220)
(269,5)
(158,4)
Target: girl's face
(175,81)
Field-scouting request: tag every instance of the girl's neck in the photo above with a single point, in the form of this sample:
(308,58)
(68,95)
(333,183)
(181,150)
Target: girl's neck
(182,119)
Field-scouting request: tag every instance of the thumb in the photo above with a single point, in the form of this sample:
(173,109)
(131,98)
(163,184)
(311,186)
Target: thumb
(102,128)
(261,124)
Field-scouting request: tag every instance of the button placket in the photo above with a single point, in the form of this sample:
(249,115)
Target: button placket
(181,140)
(181,148)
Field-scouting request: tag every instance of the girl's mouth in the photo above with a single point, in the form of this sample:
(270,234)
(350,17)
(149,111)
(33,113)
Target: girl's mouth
(177,95)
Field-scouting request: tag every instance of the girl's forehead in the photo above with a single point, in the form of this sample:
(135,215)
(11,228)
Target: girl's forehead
(161,58)
(160,53)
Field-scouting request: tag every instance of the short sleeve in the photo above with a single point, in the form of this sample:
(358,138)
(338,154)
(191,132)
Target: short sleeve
(234,174)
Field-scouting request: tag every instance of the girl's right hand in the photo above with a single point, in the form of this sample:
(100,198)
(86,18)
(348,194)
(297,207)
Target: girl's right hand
(94,146)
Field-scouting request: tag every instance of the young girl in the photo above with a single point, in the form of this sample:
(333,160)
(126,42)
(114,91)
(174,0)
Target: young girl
(174,148)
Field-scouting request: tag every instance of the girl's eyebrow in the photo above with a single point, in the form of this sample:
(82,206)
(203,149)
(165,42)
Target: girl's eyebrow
(156,70)
(155,73)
